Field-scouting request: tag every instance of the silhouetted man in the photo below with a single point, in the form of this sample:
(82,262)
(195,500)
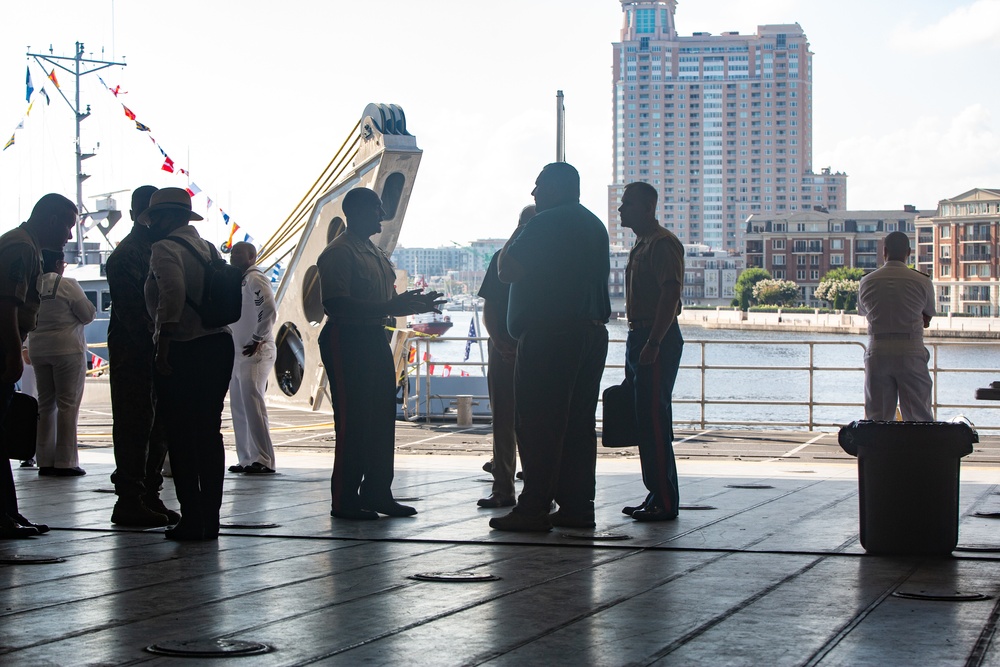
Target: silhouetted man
(503,352)
(139,439)
(558,267)
(899,304)
(358,286)
(49,227)
(253,337)
(654,279)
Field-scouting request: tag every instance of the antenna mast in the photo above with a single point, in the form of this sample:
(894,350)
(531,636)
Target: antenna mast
(77,69)
(560,127)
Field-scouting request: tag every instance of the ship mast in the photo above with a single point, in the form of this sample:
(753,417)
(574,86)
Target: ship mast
(560,127)
(78,69)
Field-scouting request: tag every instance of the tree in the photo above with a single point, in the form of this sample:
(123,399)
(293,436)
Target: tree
(776,292)
(839,287)
(744,287)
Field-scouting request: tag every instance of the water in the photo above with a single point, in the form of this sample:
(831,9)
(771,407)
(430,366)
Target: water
(774,383)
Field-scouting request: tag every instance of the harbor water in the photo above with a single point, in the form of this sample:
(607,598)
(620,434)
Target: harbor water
(772,356)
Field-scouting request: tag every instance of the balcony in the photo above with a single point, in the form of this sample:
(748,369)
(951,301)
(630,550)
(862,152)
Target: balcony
(979,237)
(976,256)
(865,263)
(925,259)
(865,247)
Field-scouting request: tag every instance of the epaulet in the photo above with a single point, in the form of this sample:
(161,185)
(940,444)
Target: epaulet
(920,272)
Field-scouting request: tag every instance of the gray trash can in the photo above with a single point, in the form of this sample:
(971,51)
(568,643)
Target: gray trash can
(908,483)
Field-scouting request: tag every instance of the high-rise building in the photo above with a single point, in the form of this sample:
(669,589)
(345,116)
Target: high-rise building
(720,125)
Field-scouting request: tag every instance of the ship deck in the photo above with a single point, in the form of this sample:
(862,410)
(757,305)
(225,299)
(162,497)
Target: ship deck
(773,574)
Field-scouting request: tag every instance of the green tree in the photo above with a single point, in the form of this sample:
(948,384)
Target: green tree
(744,287)
(839,287)
(776,292)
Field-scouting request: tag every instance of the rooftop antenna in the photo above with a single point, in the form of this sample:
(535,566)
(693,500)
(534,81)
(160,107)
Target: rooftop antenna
(76,70)
(560,127)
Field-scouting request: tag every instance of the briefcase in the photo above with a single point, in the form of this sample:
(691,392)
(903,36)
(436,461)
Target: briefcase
(619,427)
(20,427)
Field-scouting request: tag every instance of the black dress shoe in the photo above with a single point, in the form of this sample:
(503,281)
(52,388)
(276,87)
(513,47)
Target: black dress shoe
(354,514)
(236,468)
(392,508)
(654,514)
(17,532)
(257,468)
(521,523)
(50,471)
(494,501)
(488,466)
(40,527)
(186,532)
(629,510)
(30,463)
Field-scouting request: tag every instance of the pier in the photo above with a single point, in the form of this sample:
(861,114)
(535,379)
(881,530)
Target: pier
(762,567)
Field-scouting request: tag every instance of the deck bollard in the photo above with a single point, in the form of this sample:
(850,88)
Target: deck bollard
(464,410)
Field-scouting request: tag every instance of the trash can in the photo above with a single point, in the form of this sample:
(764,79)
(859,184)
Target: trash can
(908,483)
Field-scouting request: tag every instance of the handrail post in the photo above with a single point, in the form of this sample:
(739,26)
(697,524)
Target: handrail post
(934,407)
(812,364)
(702,403)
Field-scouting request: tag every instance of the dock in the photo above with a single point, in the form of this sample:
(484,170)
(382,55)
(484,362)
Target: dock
(763,566)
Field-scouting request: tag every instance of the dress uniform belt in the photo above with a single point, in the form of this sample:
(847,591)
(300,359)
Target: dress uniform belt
(639,324)
(892,336)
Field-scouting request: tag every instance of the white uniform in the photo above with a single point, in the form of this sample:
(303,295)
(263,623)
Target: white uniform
(895,299)
(250,374)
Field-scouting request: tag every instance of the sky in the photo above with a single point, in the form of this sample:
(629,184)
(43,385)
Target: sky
(254,97)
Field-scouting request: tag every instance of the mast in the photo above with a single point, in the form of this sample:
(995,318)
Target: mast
(77,70)
(560,127)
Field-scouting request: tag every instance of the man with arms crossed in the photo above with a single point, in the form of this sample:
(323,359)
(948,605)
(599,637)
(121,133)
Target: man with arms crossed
(654,277)
(899,304)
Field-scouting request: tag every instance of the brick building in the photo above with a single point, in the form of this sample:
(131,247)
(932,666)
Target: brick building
(958,248)
(804,246)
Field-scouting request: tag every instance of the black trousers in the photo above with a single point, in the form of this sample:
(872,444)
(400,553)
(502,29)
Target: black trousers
(8,494)
(557,379)
(140,439)
(501,387)
(358,362)
(190,401)
(654,388)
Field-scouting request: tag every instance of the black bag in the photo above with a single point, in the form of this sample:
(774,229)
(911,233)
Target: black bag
(222,294)
(619,427)
(20,427)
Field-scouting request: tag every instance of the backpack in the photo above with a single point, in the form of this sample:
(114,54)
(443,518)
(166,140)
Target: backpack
(222,292)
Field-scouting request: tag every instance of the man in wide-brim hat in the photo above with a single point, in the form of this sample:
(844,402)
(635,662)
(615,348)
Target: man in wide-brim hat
(193,363)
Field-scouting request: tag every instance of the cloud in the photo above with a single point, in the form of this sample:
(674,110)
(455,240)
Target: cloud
(970,26)
(920,163)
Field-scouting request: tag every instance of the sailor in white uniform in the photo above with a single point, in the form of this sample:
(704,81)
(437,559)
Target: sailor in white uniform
(253,337)
(899,304)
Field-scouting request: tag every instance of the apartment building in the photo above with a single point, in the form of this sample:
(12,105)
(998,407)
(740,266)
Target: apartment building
(721,125)
(804,246)
(958,248)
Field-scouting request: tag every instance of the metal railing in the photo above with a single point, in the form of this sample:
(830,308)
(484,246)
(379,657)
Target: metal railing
(422,381)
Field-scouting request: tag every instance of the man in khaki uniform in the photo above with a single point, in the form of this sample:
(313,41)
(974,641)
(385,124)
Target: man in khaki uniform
(654,278)
(49,227)
(899,304)
(357,281)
